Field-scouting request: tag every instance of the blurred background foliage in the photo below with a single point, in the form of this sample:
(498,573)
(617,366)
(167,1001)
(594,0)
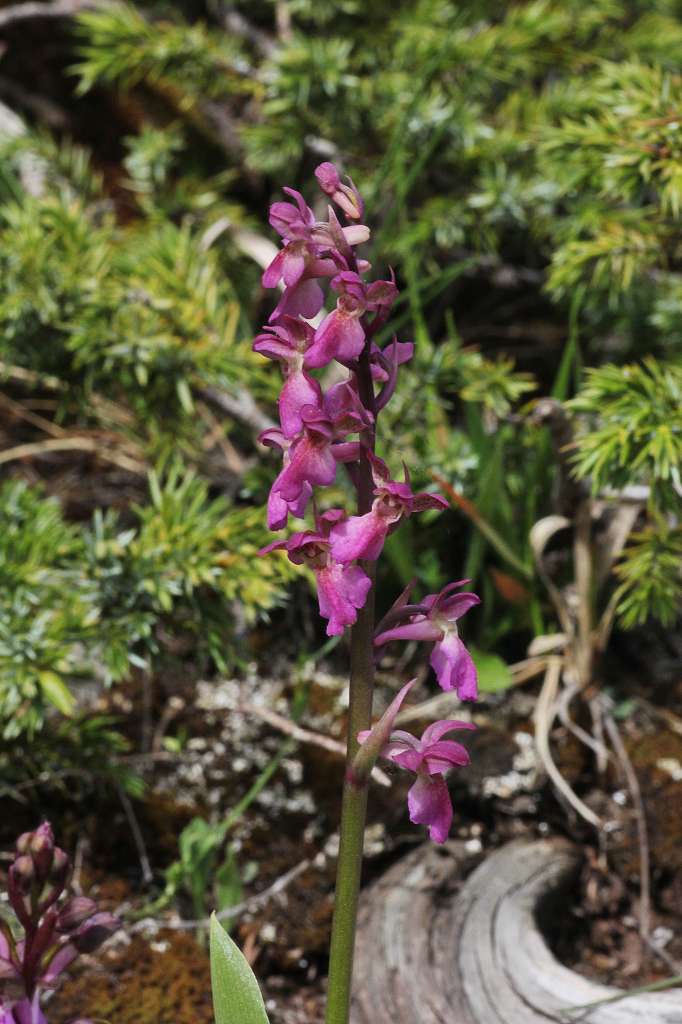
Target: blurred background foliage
(522,167)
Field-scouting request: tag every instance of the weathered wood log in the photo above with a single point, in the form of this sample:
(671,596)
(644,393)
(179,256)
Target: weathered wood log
(434,950)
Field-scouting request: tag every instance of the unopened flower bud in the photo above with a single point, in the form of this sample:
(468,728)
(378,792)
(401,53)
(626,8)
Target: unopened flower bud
(95,931)
(41,849)
(74,913)
(20,881)
(328,177)
(22,872)
(23,842)
(60,868)
(56,880)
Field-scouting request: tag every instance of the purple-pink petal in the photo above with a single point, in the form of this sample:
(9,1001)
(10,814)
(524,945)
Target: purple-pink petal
(310,463)
(26,1012)
(434,732)
(453,608)
(454,667)
(339,336)
(421,629)
(304,299)
(439,757)
(64,956)
(341,591)
(428,802)
(298,391)
(359,537)
(279,510)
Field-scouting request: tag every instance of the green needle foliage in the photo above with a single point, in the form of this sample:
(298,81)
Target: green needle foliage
(636,413)
(651,576)
(100,602)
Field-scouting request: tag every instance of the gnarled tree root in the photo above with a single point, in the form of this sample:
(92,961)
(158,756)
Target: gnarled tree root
(434,951)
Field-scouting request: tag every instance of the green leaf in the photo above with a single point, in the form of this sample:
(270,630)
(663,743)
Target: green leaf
(57,692)
(493,672)
(228,882)
(237,998)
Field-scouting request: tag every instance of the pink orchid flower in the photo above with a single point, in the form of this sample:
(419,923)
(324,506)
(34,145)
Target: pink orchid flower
(288,341)
(301,260)
(311,457)
(278,509)
(428,800)
(435,619)
(341,335)
(341,589)
(364,536)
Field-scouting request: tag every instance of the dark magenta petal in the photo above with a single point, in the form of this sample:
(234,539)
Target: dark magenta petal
(439,757)
(433,732)
(299,390)
(341,591)
(339,336)
(408,758)
(422,629)
(453,608)
(454,668)
(428,802)
(310,463)
(359,537)
(304,299)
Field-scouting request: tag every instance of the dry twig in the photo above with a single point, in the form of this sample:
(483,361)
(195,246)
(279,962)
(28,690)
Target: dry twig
(249,905)
(73,444)
(316,739)
(545,713)
(642,834)
(56,9)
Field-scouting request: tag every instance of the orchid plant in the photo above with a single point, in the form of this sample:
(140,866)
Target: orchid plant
(56,928)
(319,430)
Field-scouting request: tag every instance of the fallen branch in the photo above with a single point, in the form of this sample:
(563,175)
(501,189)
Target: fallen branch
(241,407)
(249,905)
(56,9)
(73,444)
(545,713)
(316,739)
(642,834)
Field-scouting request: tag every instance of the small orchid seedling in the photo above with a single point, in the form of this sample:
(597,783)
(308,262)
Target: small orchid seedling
(56,929)
(321,430)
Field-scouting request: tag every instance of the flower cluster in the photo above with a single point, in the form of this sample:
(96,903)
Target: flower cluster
(55,931)
(321,429)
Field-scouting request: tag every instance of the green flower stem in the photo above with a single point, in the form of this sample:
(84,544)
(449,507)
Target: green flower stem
(354,803)
(353,811)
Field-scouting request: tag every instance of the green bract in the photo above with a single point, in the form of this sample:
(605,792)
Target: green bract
(236,996)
